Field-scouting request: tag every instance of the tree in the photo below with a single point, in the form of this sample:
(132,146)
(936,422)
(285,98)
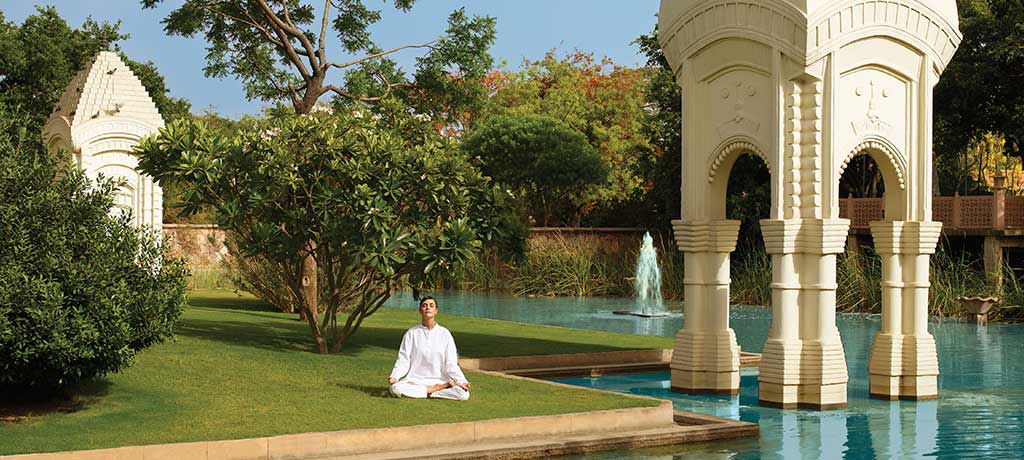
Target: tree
(172,204)
(973,172)
(81,291)
(39,57)
(542,159)
(279,51)
(982,88)
(373,200)
(662,126)
(602,100)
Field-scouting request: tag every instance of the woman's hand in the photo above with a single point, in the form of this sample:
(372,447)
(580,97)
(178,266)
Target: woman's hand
(392,380)
(463,385)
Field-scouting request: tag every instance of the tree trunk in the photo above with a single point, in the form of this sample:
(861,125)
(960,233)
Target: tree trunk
(309,293)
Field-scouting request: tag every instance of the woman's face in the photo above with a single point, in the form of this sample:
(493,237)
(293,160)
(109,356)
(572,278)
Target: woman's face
(428,309)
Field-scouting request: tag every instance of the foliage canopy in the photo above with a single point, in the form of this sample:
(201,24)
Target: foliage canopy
(981,90)
(373,200)
(543,160)
(280,49)
(602,100)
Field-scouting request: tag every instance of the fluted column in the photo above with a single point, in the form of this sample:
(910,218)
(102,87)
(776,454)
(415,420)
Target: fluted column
(803,364)
(904,362)
(706,357)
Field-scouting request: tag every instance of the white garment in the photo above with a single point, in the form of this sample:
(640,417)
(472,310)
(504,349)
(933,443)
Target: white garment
(413,390)
(428,357)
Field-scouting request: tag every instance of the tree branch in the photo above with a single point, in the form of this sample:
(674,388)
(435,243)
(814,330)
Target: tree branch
(322,52)
(303,39)
(283,31)
(250,22)
(382,53)
(349,95)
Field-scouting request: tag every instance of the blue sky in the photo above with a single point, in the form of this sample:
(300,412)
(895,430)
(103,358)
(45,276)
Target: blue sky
(526,29)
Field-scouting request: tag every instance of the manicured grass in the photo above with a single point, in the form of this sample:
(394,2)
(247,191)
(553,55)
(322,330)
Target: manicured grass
(238,369)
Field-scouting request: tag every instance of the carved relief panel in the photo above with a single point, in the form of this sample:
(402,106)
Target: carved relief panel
(740,104)
(872,102)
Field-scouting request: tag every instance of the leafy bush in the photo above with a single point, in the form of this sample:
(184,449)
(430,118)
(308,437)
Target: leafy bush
(81,291)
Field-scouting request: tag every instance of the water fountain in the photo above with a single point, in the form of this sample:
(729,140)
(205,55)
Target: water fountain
(648,283)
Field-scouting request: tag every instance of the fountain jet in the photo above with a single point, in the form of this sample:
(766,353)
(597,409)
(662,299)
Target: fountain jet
(648,283)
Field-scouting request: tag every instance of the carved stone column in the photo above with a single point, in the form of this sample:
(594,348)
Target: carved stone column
(803,364)
(904,362)
(706,358)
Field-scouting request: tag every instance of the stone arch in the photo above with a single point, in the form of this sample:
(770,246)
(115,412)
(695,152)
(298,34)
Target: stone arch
(877,144)
(719,168)
(103,129)
(730,150)
(892,168)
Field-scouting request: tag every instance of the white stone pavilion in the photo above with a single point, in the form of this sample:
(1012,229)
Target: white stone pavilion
(102,114)
(806,85)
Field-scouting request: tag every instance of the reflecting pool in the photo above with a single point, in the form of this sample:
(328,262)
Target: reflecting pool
(979,414)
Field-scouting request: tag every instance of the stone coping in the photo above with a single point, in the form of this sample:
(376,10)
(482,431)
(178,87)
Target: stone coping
(370,441)
(586,364)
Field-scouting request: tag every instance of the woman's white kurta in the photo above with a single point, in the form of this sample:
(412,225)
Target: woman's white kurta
(427,357)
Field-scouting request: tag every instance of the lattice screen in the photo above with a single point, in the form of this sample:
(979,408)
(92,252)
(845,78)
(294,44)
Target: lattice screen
(975,212)
(1015,211)
(942,210)
(866,210)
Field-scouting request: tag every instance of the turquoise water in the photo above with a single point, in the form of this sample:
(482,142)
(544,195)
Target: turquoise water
(979,414)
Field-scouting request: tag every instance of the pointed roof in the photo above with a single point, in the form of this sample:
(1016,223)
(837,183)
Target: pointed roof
(105,87)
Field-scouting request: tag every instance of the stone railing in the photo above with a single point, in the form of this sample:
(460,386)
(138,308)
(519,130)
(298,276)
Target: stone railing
(969,214)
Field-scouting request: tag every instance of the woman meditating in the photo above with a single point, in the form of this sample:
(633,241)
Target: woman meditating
(428,363)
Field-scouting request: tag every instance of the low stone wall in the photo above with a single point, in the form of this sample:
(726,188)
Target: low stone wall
(203,244)
(608,240)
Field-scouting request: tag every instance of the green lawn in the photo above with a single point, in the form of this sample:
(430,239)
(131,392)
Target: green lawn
(238,369)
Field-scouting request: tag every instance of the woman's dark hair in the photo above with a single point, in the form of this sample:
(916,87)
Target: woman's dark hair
(426,298)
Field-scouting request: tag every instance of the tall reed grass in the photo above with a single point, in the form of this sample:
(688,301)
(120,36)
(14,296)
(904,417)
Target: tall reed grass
(210,278)
(572,266)
(582,266)
(751,274)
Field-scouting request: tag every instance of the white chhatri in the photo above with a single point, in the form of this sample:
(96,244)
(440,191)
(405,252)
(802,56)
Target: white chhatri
(807,85)
(103,113)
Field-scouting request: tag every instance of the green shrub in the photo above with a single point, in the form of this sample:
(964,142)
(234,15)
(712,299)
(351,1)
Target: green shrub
(81,291)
